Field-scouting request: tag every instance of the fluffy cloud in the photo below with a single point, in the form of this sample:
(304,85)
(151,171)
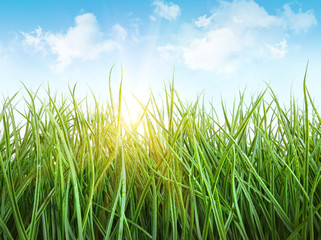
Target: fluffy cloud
(167,52)
(203,21)
(243,14)
(216,47)
(242,31)
(298,22)
(278,50)
(34,38)
(168,11)
(120,32)
(152,18)
(83,41)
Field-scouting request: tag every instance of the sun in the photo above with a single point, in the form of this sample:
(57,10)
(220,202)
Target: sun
(131,110)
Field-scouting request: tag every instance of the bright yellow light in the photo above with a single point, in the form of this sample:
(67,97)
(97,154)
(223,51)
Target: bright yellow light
(131,111)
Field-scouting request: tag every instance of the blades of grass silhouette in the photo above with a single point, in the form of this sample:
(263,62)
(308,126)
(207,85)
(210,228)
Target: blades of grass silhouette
(207,221)
(154,210)
(65,210)
(123,194)
(10,186)
(18,194)
(215,203)
(277,158)
(296,232)
(253,210)
(16,135)
(163,168)
(62,133)
(128,220)
(5,229)
(225,116)
(234,195)
(36,143)
(306,165)
(281,117)
(241,128)
(279,209)
(45,203)
(111,217)
(144,193)
(194,211)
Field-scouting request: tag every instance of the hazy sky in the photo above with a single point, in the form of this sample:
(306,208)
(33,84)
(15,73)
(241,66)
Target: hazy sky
(217,46)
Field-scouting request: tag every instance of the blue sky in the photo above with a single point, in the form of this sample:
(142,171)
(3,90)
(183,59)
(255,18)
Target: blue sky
(217,46)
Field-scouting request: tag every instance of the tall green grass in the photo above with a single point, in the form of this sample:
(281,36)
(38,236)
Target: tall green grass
(74,172)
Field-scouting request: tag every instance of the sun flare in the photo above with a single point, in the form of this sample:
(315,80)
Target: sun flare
(131,111)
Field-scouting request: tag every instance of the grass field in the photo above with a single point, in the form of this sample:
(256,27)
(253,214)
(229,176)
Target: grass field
(71,172)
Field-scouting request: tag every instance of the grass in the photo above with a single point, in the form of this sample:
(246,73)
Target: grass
(68,172)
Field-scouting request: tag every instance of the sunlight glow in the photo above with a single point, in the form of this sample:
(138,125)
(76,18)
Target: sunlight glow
(131,111)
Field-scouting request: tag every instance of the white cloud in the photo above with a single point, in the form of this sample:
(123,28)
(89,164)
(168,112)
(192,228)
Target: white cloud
(135,28)
(244,14)
(298,22)
(152,18)
(34,38)
(203,21)
(120,32)
(168,11)
(214,52)
(239,32)
(167,52)
(83,41)
(278,50)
